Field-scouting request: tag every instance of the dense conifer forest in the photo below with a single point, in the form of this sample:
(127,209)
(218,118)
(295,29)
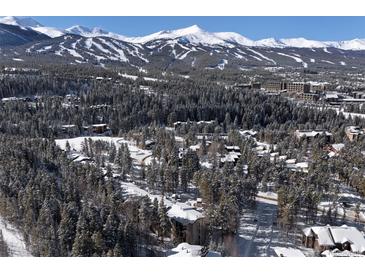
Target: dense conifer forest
(64,208)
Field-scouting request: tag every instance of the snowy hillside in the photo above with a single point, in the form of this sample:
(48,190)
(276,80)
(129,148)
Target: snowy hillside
(94,32)
(22,22)
(14,240)
(29,23)
(192,34)
(181,49)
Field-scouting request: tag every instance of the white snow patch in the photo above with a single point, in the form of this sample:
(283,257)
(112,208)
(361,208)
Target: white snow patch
(14,240)
(297,59)
(187,250)
(262,56)
(328,62)
(326,50)
(137,154)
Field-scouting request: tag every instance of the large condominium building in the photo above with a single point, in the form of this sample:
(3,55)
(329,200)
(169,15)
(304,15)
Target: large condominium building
(274,86)
(298,87)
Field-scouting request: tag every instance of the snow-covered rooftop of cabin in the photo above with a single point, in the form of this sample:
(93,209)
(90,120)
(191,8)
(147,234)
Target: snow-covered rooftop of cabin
(313,133)
(302,165)
(338,147)
(232,147)
(330,235)
(184,213)
(68,126)
(290,161)
(230,157)
(315,83)
(331,96)
(179,139)
(195,147)
(199,122)
(82,159)
(354,130)
(99,125)
(352,235)
(249,132)
(323,233)
(206,164)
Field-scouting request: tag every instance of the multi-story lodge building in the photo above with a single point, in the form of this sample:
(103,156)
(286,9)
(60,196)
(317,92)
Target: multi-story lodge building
(274,86)
(298,87)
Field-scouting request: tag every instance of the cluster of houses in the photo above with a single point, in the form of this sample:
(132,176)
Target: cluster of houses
(335,239)
(179,124)
(310,135)
(94,129)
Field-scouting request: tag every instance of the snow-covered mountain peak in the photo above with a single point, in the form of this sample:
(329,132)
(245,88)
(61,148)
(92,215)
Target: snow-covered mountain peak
(301,42)
(196,35)
(270,42)
(79,30)
(192,34)
(234,38)
(354,44)
(94,32)
(26,22)
(30,23)
(194,29)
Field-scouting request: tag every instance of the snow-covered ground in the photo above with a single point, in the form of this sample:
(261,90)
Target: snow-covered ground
(288,252)
(14,240)
(137,154)
(187,250)
(259,234)
(349,196)
(135,77)
(185,212)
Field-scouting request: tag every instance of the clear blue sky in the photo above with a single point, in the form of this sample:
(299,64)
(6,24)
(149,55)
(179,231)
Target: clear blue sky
(319,28)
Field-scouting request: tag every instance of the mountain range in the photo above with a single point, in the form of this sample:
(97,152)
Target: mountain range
(25,38)
(193,34)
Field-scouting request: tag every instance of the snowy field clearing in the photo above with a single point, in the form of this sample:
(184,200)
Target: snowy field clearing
(14,240)
(183,212)
(259,235)
(137,154)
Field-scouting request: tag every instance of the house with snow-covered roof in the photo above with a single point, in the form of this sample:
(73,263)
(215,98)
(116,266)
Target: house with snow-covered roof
(354,132)
(248,133)
(310,135)
(188,224)
(97,129)
(322,238)
(334,149)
